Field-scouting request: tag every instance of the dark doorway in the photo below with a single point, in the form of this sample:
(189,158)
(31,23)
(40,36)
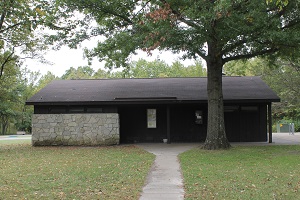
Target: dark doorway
(134,126)
(184,127)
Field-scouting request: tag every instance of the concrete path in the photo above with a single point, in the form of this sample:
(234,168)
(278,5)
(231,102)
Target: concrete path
(165,180)
(286,139)
(278,139)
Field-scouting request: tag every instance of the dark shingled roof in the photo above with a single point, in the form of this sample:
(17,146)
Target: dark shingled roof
(159,90)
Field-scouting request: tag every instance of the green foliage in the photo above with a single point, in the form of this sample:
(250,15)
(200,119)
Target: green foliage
(259,172)
(279,3)
(284,78)
(144,69)
(28,87)
(5,143)
(79,73)
(72,172)
(45,80)
(138,69)
(18,22)
(251,67)
(282,75)
(238,29)
(16,86)
(24,28)
(156,69)
(9,95)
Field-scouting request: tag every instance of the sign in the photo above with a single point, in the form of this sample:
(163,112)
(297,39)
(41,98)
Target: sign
(151,118)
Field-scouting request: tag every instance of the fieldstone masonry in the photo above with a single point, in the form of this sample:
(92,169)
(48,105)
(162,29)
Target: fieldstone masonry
(75,129)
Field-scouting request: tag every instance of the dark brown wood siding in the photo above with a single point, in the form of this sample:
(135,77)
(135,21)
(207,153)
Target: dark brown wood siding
(133,124)
(183,128)
(246,124)
(183,124)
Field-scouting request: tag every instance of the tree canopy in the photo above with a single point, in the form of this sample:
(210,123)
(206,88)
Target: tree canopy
(217,31)
(23,29)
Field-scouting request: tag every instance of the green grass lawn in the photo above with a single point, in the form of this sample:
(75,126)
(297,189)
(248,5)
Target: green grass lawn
(258,172)
(19,141)
(117,172)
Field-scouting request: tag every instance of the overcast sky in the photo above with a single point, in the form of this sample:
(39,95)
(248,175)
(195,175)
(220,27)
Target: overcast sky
(65,58)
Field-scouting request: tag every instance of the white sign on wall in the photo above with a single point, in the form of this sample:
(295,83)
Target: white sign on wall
(151,118)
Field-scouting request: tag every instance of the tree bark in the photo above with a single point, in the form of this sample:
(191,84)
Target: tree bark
(216,135)
(4,127)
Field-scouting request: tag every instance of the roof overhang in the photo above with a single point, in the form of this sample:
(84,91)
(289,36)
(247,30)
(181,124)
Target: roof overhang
(150,101)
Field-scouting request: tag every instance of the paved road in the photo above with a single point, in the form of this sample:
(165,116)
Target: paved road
(15,137)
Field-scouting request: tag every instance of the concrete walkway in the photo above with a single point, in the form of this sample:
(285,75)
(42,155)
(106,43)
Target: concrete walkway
(278,139)
(165,180)
(286,139)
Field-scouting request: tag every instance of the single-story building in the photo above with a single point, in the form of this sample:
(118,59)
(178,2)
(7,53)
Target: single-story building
(113,111)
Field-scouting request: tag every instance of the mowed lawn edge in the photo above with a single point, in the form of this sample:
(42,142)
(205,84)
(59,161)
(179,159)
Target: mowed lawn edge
(10,142)
(256,172)
(116,172)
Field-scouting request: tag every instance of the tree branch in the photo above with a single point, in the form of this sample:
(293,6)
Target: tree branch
(233,46)
(291,24)
(6,61)
(250,55)
(10,27)
(2,19)
(110,11)
(142,8)
(201,54)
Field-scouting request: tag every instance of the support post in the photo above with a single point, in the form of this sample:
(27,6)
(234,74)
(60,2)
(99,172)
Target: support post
(270,122)
(168,125)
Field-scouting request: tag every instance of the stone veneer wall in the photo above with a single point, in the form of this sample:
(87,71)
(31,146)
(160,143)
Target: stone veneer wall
(75,129)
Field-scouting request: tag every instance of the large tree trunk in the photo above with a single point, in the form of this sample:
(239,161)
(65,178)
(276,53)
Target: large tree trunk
(216,135)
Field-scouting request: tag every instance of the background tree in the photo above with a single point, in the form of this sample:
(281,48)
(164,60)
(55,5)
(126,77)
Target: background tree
(16,86)
(27,84)
(18,19)
(283,76)
(45,80)
(9,96)
(101,74)
(135,69)
(217,31)
(157,68)
(144,69)
(24,25)
(85,72)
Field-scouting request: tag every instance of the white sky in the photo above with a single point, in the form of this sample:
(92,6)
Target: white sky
(65,58)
